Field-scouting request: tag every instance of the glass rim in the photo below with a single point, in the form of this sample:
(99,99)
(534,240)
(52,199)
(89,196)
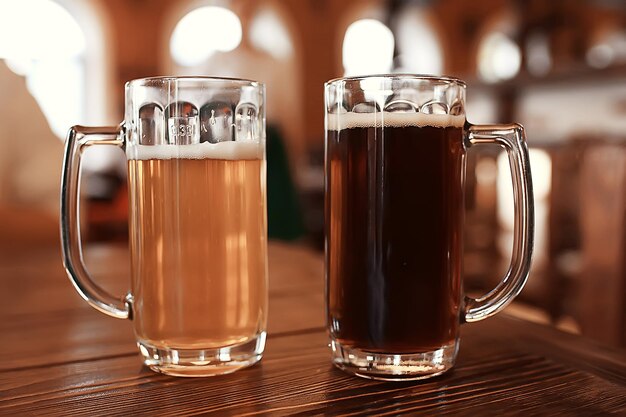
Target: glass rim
(400,76)
(201,79)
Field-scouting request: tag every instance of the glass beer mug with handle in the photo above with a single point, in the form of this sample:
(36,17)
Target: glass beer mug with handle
(394,184)
(198,222)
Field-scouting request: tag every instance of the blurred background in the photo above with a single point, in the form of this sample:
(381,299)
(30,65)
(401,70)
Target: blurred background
(558,67)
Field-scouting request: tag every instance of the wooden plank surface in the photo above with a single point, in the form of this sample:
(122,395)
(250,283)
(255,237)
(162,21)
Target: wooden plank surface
(58,356)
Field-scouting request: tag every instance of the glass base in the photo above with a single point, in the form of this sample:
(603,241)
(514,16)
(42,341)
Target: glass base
(202,362)
(394,367)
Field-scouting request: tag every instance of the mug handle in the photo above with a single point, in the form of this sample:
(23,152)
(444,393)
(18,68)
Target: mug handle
(79,138)
(512,138)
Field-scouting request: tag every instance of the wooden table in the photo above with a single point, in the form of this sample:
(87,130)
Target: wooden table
(58,356)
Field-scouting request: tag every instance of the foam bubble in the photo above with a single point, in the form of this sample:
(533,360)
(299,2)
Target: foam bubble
(392,119)
(223,150)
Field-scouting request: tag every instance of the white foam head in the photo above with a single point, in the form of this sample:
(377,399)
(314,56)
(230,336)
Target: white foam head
(391,119)
(230,150)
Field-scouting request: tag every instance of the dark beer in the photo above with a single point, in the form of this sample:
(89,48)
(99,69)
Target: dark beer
(394,213)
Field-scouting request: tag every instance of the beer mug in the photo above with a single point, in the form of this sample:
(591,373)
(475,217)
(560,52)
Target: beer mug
(197,222)
(395,173)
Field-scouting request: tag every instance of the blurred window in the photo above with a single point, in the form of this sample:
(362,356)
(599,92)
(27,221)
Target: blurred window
(368,47)
(609,49)
(202,32)
(424,56)
(482,106)
(553,113)
(538,54)
(541,165)
(268,34)
(215,41)
(42,41)
(499,57)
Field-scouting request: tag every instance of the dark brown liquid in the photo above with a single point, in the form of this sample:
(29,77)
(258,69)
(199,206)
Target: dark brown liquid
(394,222)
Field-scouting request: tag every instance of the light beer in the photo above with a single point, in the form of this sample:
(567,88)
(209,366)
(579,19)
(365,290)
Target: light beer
(199,243)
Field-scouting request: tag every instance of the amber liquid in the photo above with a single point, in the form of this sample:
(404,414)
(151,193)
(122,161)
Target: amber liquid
(198,242)
(394,213)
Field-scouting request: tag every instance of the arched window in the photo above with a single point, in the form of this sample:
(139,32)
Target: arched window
(418,44)
(269,34)
(215,41)
(203,32)
(538,54)
(368,47)
(607,49)
(499,57)
(58,47)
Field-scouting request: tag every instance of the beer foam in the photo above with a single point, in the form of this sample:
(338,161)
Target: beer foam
(223,150)
(392,119)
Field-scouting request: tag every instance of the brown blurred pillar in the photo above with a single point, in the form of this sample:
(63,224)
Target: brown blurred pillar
(602,289)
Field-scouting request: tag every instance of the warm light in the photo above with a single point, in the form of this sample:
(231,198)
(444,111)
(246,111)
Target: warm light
(41,41)
(499,58)
(367,48)
(609,49)
(539,60)
(422,56)
(58,87)
(38,29)
(268,34)
(600,56)
(541,168)
(202,32)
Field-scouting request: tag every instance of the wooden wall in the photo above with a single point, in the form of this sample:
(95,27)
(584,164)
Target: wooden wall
(141,28)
